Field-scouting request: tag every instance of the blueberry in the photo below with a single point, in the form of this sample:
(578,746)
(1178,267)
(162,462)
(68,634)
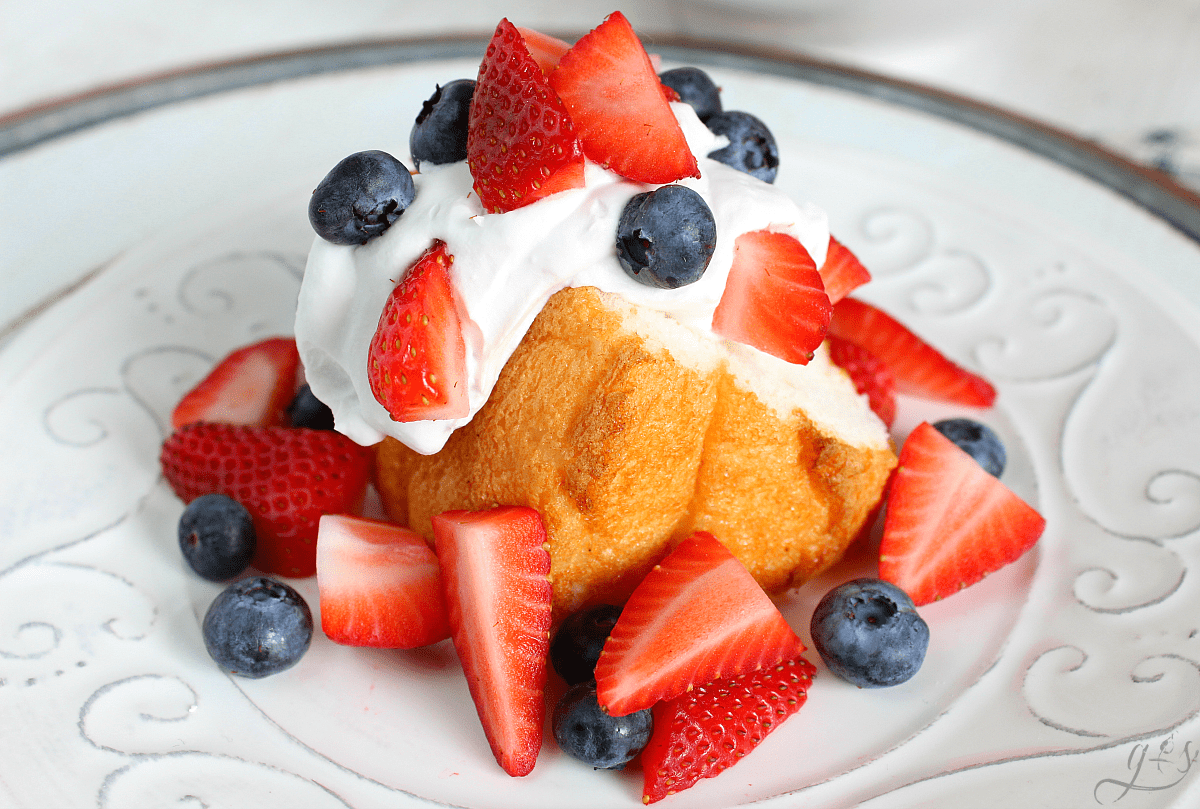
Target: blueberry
(977,440)
(306,410)
(585,732)
(578,641)
(216,536)
(751,146)
(868,632)
(666,237)
(439,135)
(360,198)
(695,87)
(257,627)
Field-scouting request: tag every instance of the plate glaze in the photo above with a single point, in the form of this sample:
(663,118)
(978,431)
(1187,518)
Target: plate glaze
(1071,678)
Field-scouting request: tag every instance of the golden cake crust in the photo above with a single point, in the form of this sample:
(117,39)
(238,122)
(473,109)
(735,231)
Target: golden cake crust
(624,452)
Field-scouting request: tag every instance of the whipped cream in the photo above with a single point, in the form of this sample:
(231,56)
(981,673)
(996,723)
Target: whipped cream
(506,266)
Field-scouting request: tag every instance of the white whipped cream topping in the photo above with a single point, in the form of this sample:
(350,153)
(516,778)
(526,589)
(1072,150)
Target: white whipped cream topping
(506,266)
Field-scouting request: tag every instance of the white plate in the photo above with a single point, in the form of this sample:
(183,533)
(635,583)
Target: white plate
(1071,678)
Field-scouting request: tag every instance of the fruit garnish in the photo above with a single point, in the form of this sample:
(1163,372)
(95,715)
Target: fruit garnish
(868,633)
(842,272)
(252,386)
(216,537)
(417,361)
(521,142)
(704,732)
(285,477)
(751,148)
(697,616)
(578,641)
(306,410)
(360,198)
(949,523)
(439,134)
(919,368)
(666,237)
(694,87)
(869,375)
(608,84)
(977,440)
(379,585)
(588,734)
(545,49)
(774,298)
(257,627)
(495,570)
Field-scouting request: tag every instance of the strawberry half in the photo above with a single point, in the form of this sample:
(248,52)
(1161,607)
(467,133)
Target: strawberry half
(609,86)
(521,143)
(379,585)
(869,375)
(545,49)
(252,386)
(697,616)
(417,361)
(842,272)
(774,297)
(919,368)
(706,731)
(495,570)
(285,477)
(949,523)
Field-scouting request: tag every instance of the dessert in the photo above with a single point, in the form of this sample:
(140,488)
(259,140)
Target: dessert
(627,405)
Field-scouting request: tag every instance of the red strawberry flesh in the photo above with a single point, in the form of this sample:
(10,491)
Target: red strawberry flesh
(252,385)
(495,570)
(949,522)
(870,376)
(842,272)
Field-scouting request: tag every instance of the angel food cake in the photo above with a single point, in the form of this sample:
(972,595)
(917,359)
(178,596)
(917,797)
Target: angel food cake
(627,396)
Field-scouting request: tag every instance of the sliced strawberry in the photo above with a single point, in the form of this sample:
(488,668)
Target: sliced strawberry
(545,49)
(379,585)
(706,731)
(417,361)
(869,375)
(698,616)
(617,103)
(285,477)
(252,386)
(774,298)
(521,143)
(949,523)
(919,368)
(842,272)
(495,570)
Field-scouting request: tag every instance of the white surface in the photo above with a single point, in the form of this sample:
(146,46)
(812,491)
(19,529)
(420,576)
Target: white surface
(1043,685)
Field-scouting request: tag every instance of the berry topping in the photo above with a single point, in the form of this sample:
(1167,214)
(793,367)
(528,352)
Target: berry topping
(577,643)
(521,143)
(285,477)
(625,122)
(216,536)
(495,570)
(439,135)
(417,360)
(842,272)
(379,585)
(588,734)
(694,87)
(774,298)
(697,616)
(666,237)
(751,148)
(868,633)
(257,627)
(360,198)
(706,731)
(306,410)
(977,440)
(545,49)
(919,368)
(250,386)
(869,375)
(949,523)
